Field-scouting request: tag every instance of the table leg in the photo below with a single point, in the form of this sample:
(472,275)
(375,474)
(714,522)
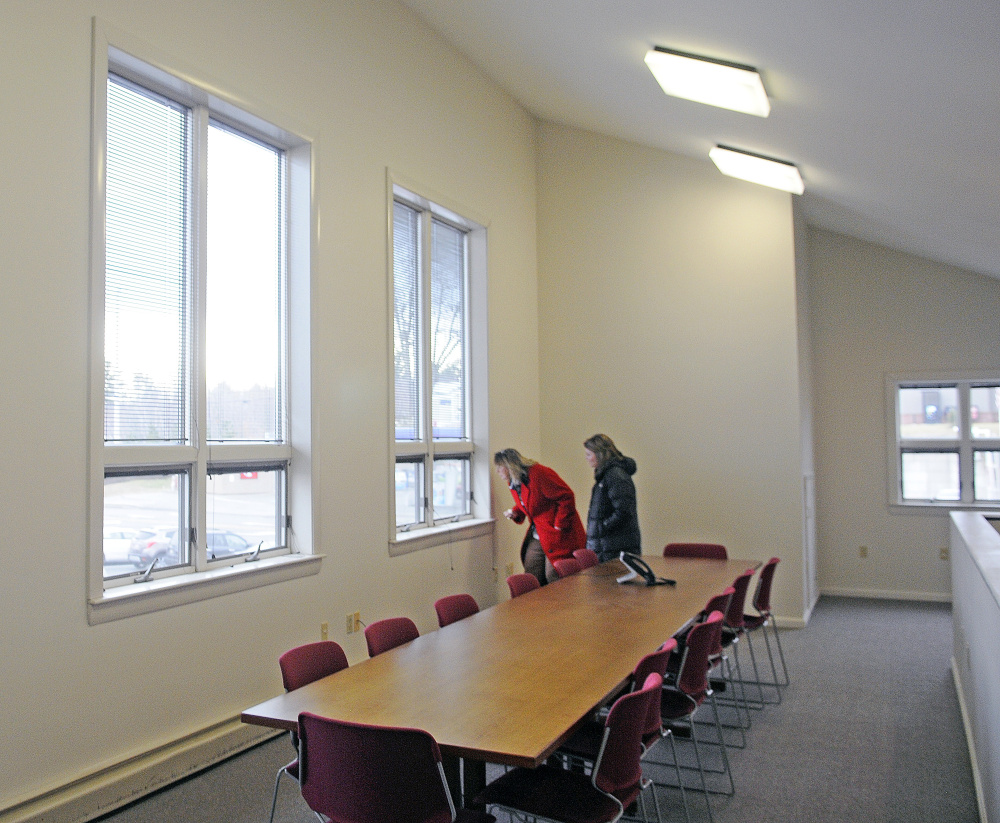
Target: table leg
(473,780)
(466,778)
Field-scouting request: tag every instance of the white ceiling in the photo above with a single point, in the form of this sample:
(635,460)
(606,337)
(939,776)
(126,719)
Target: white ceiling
(890,108)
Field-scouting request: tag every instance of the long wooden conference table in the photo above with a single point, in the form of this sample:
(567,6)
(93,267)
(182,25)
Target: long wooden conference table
(510,684)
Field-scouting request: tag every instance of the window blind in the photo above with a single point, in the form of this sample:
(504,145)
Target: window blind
(406,320)
(146,267)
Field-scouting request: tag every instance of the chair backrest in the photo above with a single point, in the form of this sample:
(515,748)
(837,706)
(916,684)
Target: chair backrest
(653,663)
(383,635)
(692,679)
(522,583)
(719,603)
(618,770)
(734,616)
(762,596)
(310,661)
(587,557)
(710,551)
(356,773)
(454,607)
(567,566)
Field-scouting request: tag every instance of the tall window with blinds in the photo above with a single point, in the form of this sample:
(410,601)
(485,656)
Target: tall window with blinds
(433,446)
(195,445)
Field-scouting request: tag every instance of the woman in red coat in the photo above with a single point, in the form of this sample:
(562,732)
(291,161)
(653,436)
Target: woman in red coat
(555,530)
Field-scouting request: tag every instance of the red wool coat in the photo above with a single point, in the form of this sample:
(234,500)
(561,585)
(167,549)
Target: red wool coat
(550,506)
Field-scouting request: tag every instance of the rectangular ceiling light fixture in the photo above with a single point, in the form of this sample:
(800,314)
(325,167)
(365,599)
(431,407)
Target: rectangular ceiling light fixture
(705,80)
(778,174)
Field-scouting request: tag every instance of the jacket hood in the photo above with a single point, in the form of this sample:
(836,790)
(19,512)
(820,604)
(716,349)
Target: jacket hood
(626,464)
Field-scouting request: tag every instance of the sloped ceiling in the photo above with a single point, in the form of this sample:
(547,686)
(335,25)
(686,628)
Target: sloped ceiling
(891,109)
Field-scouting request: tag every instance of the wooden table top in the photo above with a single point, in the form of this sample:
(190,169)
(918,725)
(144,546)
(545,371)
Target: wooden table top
(509,684)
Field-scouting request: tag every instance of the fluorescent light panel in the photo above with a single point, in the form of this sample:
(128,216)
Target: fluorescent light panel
(756,168)
(704,80)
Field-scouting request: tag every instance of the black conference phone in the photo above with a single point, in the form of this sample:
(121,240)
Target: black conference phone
(637,567)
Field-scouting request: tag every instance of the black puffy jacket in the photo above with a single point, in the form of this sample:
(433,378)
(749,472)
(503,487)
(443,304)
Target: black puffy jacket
(613,521)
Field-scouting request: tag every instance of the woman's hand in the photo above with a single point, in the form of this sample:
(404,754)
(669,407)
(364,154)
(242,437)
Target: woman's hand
(509,514)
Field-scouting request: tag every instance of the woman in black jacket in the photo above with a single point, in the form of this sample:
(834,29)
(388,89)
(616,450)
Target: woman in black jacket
(613,521)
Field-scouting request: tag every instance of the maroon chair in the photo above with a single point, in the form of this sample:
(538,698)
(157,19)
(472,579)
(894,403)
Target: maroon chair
(718,659)
(522,583)
(763,619)
(383,635)
(615,782)
(587,557)
(453,607)
(709,551)
(567,566)
(733,629)
(299,667)
(584,744)
(680,701)
(357,773)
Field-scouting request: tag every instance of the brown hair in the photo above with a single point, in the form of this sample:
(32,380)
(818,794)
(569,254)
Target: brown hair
(604,448)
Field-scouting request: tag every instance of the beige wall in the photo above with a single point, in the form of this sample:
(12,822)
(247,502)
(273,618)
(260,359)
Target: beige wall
(376,89)
(667,319)
(661,296)
(877,312)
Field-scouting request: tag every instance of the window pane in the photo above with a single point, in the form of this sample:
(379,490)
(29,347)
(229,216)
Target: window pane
(983,404)
(245,285)
(146,268)
(451,487)
(244,511)
(986,475)
(928,413)
(405,319)
(448,331)
(409,494)
(930,476)
(142,517)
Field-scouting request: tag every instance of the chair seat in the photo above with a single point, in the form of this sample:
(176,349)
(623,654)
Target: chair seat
(752,622)
(553,793)
(473,816)
(675,704)
(585,742)
(292,769)
(730,636)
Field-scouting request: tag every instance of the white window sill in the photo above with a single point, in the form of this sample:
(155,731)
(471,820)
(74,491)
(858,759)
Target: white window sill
(167,592)
(406,542)
(944,507)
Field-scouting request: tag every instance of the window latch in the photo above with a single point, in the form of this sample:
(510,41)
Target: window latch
(142,578)
(255,555)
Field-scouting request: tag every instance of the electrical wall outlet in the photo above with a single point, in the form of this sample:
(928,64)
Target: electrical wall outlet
(862,551)
(357,621)
(324,631)
(350,624)
(510,569)
(944,553)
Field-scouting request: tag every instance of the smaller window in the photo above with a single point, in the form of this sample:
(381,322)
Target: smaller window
(431,354)
(144,512)
(246,510)
(946,442)
(438,373)
(930,476)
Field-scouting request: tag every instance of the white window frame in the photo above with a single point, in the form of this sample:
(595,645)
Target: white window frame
(201,579)
(479,521)
(964,445)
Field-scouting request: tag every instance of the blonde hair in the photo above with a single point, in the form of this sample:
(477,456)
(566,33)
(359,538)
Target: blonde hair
(603,448)
(515,463)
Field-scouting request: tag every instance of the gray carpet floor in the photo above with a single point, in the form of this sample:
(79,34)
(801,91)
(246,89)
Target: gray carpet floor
(869,731)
